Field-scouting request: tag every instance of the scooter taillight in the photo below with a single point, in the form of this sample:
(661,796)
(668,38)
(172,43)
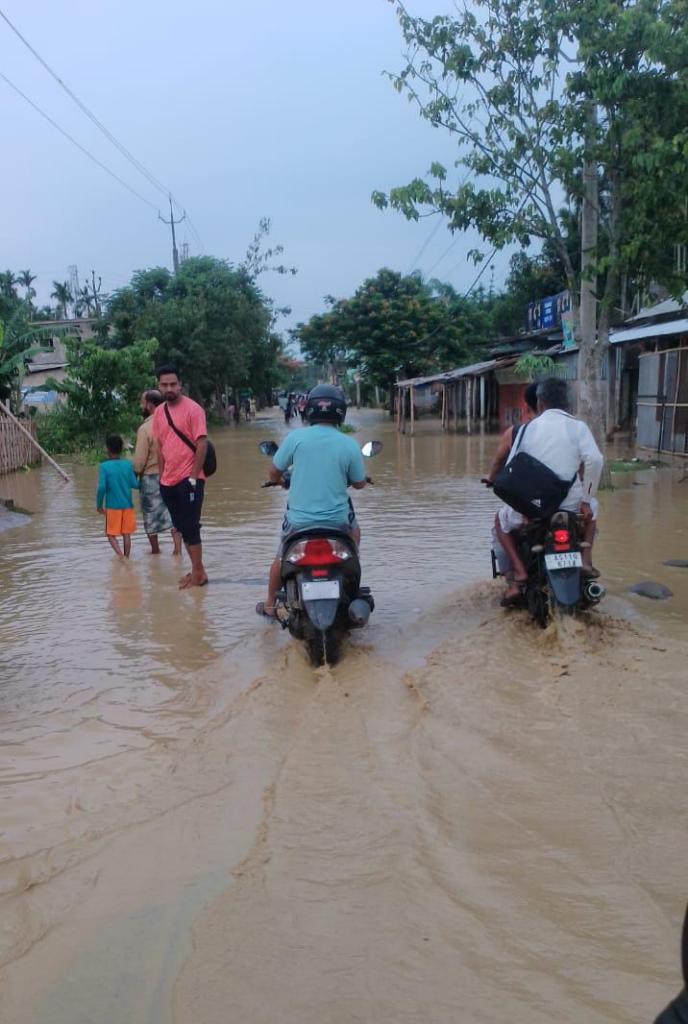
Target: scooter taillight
(319,551)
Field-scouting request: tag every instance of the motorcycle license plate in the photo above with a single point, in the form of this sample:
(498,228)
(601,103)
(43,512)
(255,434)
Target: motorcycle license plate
(320,590)
(564,560)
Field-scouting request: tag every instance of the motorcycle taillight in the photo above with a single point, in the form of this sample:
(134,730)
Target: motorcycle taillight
(319,551)
(561,536)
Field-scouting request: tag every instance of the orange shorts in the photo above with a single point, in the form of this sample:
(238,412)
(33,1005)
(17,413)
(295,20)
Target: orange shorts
(119,521)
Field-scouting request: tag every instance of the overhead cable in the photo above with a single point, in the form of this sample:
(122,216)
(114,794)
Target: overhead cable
(78,144)
(150,177)
(426,243)
(125,152)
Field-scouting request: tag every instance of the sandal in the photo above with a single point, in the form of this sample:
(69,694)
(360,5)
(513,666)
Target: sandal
(261,610)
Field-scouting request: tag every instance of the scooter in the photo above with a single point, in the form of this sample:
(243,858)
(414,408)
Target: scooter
(551,552)
(321,597)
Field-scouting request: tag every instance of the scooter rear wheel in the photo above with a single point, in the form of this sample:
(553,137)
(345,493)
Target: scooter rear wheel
(323,647)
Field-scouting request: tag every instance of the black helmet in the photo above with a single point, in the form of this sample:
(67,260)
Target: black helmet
(326,404)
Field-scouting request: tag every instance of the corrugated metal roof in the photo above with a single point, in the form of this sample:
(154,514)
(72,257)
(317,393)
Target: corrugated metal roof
(474,370)
(649,331)
(662,308)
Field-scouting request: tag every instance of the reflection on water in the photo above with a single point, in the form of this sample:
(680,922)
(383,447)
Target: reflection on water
(465,805)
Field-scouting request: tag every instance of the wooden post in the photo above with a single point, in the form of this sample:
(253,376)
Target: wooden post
(412,411)
(34,442)
(469,403)
(482,397)
(444,404)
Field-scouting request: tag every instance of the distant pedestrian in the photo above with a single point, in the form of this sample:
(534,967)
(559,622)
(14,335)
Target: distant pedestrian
(113,500)
(253,407)
(180,429)
(156,518)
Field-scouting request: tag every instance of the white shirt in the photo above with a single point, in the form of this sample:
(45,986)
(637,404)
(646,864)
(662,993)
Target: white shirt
(562,443)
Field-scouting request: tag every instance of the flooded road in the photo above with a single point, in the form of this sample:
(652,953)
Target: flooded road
(468,819)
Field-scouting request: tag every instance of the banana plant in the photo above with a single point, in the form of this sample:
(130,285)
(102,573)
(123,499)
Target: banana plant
(20,341)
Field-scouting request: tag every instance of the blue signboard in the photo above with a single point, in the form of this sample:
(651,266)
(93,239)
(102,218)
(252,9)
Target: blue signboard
(38,397)
(546,314)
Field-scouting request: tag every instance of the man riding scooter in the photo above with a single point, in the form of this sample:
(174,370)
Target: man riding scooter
(324,463)
(563,444)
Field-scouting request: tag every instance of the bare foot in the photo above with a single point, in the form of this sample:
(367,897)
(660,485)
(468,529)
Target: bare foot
(193,580)
(183,580)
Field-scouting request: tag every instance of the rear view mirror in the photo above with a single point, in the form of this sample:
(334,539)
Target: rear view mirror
(268,447)
(372,448)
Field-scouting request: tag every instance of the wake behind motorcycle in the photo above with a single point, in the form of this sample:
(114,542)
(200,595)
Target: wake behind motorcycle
(321,597)
(551,551)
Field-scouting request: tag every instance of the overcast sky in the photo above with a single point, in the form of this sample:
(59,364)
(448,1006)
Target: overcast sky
(243,110)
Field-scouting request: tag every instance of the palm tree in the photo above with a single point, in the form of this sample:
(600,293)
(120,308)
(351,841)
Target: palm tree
(84,302)
(7,283)
(64,298)
(26,279)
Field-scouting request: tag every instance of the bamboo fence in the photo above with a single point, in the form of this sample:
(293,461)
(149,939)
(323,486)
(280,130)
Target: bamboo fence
(16,450)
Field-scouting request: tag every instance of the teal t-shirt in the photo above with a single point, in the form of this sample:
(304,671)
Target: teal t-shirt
(115,481)
(324,461)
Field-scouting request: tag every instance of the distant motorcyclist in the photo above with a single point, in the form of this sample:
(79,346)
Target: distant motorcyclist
(563,444)
(324,463)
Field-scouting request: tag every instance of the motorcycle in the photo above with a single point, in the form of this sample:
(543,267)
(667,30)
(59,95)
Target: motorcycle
(321,597)
(551,552)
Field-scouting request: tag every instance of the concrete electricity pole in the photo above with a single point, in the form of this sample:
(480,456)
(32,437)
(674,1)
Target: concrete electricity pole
(171,223)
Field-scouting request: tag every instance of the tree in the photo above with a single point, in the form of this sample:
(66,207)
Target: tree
(210,319)
(20,341)
(9,300)
(528,117)
(63,293)
(392,328)
(103,388)
(26,279)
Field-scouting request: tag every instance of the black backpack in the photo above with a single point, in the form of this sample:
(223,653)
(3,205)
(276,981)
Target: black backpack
(210,461)
(529,486)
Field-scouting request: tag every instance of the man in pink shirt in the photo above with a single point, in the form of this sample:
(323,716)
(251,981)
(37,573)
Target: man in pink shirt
(180,429)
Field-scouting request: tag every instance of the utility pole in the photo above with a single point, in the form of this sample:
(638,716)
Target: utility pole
(171,223)
(96,291)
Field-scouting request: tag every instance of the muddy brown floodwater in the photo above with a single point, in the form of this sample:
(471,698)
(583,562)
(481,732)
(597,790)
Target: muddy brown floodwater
(468,819)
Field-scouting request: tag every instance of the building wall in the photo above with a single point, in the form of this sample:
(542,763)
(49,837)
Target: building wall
(663,400)
(512,406)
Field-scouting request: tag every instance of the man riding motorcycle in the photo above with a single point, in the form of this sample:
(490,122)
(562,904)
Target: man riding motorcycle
(324,463)
(563,444)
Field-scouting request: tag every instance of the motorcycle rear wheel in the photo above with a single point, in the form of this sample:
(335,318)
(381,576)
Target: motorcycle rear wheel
(538,605)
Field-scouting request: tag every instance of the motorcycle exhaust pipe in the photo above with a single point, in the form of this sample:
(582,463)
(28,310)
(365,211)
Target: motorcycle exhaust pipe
(594,591)
(359,612)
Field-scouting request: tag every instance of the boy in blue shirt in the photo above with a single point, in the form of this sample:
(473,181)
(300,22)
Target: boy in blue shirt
(116,479)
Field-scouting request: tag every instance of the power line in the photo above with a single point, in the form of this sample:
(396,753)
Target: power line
(423,247)
(150,177)
(125,152)
(78,144)
(446,253)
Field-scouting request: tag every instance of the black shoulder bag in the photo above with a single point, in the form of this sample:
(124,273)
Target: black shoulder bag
(210,461)
(529,486)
